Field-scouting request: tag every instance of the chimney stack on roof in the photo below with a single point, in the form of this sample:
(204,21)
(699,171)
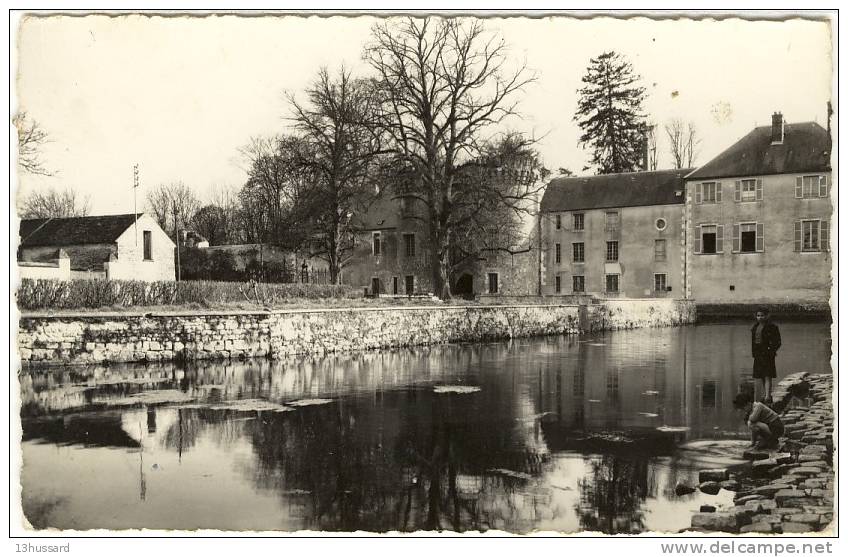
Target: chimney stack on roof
(776,128)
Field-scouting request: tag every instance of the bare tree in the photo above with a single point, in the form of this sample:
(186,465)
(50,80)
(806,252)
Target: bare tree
(172,205)
(54,203)
(443,83)
(31,139)
(693,140)
(653,159)
(683,142)
(275,181)
(338,126)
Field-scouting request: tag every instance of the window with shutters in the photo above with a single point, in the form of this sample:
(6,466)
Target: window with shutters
(612,252)
(577,220)
(612,284)
(558,222)
(660,280)
(748,237)
(577,252)
(808,187)
(578,283)
(659,250)
(558,253)
(709,239)
(558,284)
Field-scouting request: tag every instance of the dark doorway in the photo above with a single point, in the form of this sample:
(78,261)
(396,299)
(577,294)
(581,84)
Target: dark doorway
(409,281)
(375,287)
(465,287)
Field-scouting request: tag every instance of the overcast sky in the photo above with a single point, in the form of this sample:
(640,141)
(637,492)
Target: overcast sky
(179,96)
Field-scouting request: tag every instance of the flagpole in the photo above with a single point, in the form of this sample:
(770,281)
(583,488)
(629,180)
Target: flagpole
(135,206)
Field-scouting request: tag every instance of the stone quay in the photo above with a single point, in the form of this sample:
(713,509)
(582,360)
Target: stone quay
(790,490)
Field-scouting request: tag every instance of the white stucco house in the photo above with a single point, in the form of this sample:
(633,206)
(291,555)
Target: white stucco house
(106,246)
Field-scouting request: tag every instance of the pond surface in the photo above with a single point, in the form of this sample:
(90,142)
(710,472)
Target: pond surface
(558,433)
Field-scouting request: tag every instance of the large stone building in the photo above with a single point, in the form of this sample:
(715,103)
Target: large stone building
(614,235)
(109,246)
(759,219)
(391,256)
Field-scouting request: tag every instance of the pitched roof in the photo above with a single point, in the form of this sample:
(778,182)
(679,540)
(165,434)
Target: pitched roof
(629,189)
(805,148)
(70,231)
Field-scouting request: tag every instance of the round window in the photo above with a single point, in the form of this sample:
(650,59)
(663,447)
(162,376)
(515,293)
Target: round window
(661,224)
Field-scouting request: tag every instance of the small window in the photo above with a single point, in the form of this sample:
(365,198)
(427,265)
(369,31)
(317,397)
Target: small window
(493,283)
(612,252)
(409,284)
(376,244)
(708,238)
(578,252)
(749,190)
(409,244)
(661,224)
(612,284)
(612,221)
(558,284)
(748,237)
(578,221)
(558,222)
(659,250)
(660,282)
(578,283)
(148,245)
(395,288)
(558,254)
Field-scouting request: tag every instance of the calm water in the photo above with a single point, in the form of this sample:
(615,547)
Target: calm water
(559,433)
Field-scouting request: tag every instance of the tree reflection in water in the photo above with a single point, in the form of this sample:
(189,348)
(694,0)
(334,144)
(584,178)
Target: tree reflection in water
(611,495)
(377,468)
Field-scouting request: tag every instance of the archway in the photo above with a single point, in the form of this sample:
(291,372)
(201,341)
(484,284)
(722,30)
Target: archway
(465,287)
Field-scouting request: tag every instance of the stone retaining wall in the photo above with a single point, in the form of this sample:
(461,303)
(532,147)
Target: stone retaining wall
(121,337)
(790,490)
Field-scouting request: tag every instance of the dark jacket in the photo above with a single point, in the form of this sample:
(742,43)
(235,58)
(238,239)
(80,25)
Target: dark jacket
(770,343)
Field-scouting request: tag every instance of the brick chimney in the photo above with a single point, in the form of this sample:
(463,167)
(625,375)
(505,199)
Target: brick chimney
(776,128)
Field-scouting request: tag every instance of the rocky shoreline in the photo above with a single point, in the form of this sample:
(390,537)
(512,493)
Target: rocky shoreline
(787,491)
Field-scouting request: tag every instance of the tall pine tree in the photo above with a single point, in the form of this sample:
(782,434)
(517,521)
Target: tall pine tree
(609,112)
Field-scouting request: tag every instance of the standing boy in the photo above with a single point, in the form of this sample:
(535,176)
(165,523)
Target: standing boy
(765,341)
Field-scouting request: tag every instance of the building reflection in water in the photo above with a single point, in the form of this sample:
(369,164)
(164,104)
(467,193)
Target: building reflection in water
(561,435)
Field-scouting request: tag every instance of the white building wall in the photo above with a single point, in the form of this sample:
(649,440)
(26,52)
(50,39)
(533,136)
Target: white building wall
(130,263)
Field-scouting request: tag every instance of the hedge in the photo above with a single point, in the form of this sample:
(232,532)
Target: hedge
(35,294)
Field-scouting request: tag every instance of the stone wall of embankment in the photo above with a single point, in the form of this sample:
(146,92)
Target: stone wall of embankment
(125,337)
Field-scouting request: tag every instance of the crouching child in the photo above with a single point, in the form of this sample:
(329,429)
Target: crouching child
(764,423)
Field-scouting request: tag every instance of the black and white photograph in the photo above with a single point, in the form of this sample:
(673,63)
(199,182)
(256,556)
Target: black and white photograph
(424,273)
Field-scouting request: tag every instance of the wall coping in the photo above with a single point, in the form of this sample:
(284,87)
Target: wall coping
(206,313)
